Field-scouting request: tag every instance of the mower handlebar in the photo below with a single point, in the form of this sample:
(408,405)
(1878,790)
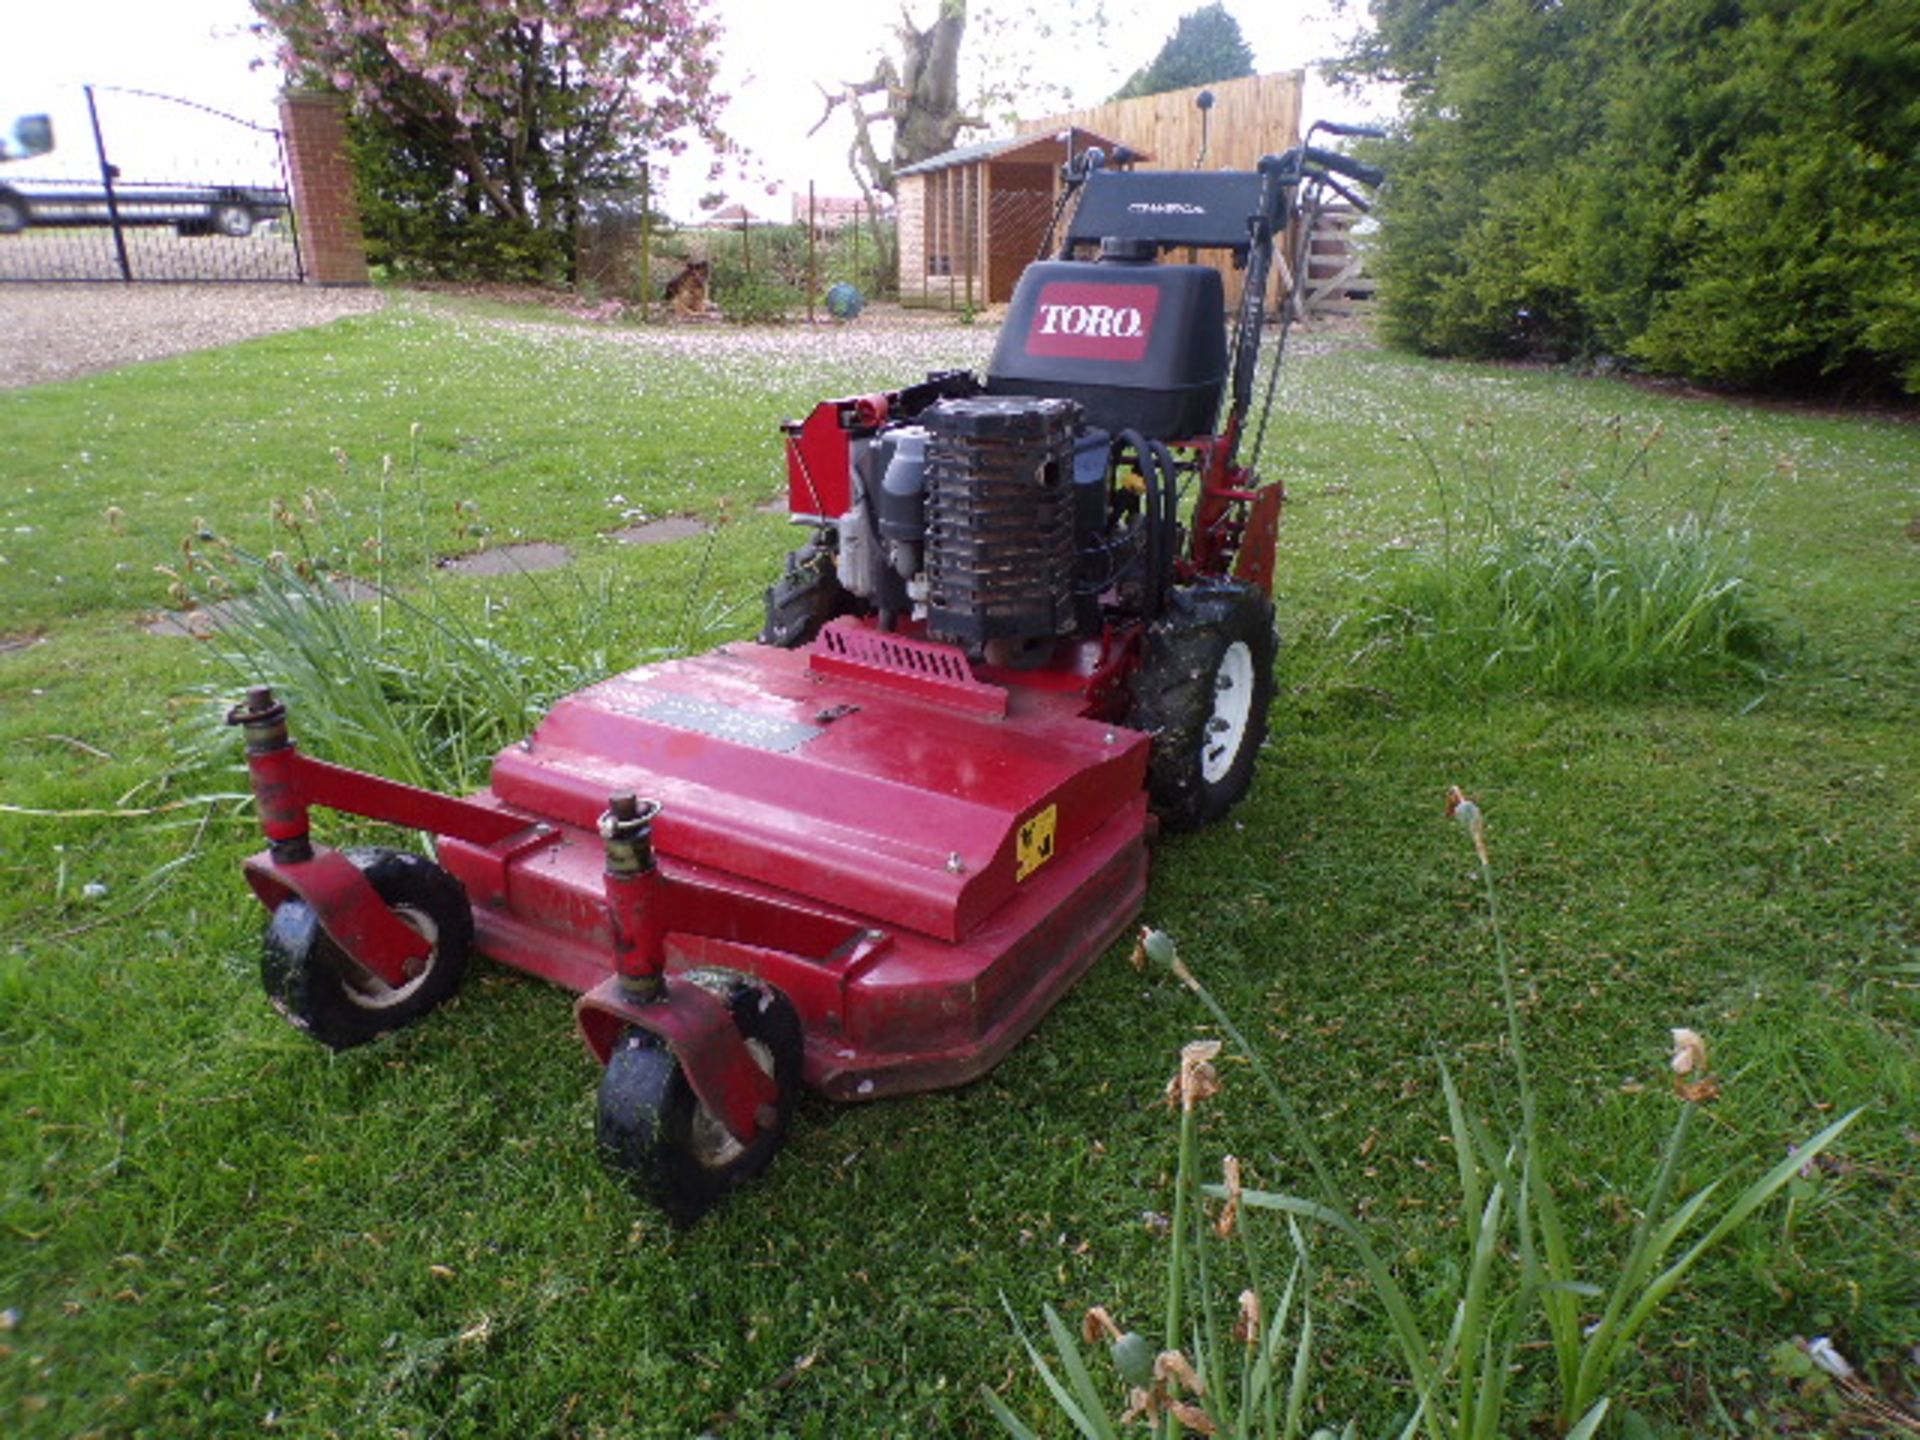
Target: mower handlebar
(1368,175)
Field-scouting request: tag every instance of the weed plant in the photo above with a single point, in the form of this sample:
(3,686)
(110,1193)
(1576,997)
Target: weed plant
(1551,570)
(404,682)
(1249,1379)
(1519,1272)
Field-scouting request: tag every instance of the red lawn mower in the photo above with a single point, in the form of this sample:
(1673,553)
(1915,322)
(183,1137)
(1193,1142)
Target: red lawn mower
(868,852)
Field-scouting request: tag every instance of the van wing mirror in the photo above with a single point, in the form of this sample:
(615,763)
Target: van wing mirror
(32,135)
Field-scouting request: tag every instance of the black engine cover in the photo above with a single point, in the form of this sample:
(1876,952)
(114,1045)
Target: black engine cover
(1141,347)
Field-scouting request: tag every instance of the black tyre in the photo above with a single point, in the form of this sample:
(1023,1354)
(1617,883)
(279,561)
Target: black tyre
(232,218)
(655,1130)
(1202,692)
(14,214)
(321,989)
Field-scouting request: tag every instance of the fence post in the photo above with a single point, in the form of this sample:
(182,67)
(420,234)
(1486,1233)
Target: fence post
(646,241)
(970,219)
(973,259)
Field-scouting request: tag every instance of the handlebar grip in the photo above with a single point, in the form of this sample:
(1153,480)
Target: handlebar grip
(1369,175)
(1335,127)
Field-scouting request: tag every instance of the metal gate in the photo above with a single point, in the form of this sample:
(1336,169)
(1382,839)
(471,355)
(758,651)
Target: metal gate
(161,189)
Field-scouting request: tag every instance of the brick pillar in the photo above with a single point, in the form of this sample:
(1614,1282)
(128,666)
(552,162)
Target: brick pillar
(324,206)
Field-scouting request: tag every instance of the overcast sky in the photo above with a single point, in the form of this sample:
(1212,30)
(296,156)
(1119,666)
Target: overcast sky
(773,57)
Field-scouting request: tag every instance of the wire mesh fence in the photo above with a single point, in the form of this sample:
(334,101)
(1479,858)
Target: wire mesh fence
(138,186)
(739,266)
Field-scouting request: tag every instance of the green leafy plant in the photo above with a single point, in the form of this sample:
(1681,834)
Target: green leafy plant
(1247,1378)
(406,682)
(1519,1272)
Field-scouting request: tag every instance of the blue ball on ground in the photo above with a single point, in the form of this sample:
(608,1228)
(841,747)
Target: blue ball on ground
(845,302)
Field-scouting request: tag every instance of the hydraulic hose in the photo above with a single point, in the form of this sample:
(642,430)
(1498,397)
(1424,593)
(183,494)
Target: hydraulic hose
(1160,516)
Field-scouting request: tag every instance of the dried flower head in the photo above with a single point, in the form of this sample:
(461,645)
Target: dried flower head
(1229,1217)
(1689,1052)
(1246,1329)
(1197,1080)
(1460,808)
(1153,945)
(1172,1368)
(1098,1324)
(1690,1060)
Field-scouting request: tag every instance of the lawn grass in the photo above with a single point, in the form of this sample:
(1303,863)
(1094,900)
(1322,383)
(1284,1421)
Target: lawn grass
(209,1224)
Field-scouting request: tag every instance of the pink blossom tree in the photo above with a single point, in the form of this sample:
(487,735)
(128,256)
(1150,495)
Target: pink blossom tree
(524,103)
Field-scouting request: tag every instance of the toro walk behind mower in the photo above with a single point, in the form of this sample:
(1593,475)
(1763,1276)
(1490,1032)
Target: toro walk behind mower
(868,852)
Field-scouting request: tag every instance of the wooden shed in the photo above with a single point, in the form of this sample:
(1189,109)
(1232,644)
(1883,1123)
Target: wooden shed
(972,219)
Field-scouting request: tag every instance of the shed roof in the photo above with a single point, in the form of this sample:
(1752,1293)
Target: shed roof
(1050,145)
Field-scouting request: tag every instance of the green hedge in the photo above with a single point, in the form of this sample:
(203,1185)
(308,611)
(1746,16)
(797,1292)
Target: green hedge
(1726,189)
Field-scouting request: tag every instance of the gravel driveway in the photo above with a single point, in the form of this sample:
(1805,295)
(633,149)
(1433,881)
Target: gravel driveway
(53,332)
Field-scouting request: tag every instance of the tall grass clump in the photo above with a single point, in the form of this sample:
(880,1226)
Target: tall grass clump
(1516,1288)
(385,671)
(1568,571)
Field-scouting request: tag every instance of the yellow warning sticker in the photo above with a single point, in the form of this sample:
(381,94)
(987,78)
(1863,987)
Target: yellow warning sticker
(1034,846)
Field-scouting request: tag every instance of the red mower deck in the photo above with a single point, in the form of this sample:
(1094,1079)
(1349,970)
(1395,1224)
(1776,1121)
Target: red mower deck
(955,870)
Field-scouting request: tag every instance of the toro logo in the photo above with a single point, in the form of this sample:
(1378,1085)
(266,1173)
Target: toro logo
(1084,321)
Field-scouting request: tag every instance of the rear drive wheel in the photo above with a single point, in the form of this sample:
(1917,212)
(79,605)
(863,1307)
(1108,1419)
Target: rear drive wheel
(341,1003)
(806,596)
(13,213)
(654,1129)
(1202,692)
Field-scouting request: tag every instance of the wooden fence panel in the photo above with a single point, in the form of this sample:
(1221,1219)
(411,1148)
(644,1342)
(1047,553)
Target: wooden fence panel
(1251,117)
(1255,116)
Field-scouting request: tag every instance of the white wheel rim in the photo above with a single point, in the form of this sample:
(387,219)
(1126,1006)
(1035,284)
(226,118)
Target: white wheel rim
(1232,710)
(370,992)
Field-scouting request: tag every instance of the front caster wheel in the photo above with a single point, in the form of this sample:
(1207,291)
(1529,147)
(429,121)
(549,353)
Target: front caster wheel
(655,1130)
(324,991)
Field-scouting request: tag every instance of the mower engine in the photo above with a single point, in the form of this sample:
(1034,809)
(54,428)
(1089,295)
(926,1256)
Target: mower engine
(971,519)
(1006,520)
